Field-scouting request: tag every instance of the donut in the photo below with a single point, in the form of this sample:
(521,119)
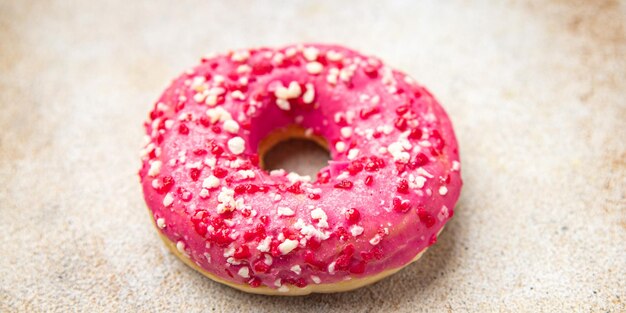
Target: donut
(390,187)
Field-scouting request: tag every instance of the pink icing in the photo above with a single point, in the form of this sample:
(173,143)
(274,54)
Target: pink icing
(392,184)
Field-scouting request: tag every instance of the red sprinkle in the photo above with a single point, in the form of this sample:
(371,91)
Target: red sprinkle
(309,258)
(183,194)
(239,189)
(353,215)
(255,282)
(257,232)
(400,123)
(369,180)
(264,219)
(205,121)
(183,129)
(415,133)
(166,184)
(401,206)
(403,186)
(220,172)
(426,218)
(367,112)
(217,150)
(354,167)
(242,252)
(199,152)
(194,173)
(295,188)
(420,159)
(358,268)
(342,234)
(314,196)
(260,266)
(344,184)
(402,109)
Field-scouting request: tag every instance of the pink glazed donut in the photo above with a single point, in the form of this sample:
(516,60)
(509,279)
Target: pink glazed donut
(391,186)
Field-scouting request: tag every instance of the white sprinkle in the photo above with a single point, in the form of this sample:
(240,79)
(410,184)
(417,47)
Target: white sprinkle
(231,126)
(180,246)
(278,58)
(443,190)
(352,154)
(204,193)
(443,214)
(319,214)
(277,173)
(346,132)
(211,100)
(218,79)
(284,211)
(264,245)
(197,81)
(246,174)
(278,283)
(334,55)
(226,200)
(310,231)
(340,146)
(316,279)
(242,69)
(314,68)
(240,56)
(296,269)
(210,162)
(168,199)
(309,94)
(237,163)
(356,230)
(277,197)
(230,251)
(331,78)
(268,260)
(295,177)
(199,97)
(397,151)
(218,113)
(155,168)
(419,182)
(283,289)
(331,268)
(375,240)
(244,272)
(211,182)
(456,165)
(290,52)
(287,246)
(236,145)
(310,53)
(283,104)
(160,222)
(423,172)
(291,92)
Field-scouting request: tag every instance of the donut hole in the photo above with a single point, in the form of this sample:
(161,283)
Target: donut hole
(293,152)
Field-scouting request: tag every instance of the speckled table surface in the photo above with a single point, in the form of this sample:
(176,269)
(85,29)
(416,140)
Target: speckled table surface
(537,92)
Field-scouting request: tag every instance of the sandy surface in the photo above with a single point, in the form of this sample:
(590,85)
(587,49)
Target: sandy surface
(537,92)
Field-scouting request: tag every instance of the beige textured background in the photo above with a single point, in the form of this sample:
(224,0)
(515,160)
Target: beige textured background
(537,92)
